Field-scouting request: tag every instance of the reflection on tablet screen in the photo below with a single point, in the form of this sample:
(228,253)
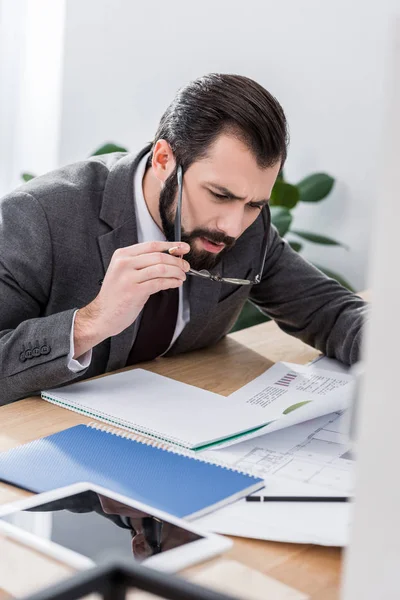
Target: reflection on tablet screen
(98,527)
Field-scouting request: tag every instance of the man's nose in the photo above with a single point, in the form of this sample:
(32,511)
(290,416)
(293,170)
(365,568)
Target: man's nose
(231,222)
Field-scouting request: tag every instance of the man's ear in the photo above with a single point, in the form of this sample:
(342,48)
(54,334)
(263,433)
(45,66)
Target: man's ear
(163,160)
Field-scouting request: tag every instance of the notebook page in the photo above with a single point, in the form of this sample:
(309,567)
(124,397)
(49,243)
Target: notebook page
(157,405)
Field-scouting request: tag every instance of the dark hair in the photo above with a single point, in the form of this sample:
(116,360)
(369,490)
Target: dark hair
(219,103)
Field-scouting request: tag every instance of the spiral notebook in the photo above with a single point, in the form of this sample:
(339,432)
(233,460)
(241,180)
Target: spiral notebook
(157,406)
(142,469)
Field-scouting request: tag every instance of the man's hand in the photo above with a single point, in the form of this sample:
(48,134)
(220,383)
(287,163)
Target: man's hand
(135,273)
(171,536)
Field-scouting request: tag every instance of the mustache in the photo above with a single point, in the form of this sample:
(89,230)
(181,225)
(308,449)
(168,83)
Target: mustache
(214,236)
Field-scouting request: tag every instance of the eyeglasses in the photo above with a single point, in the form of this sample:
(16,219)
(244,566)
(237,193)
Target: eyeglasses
(266,215)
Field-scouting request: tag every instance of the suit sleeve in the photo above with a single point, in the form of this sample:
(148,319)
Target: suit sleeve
(34,347)
(309,305)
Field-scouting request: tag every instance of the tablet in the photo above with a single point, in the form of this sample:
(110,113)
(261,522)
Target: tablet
(85,524)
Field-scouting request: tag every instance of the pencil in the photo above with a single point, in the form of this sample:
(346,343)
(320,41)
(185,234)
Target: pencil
(297,499)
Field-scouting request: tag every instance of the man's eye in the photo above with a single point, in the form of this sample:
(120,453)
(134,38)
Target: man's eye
(251,205)
(219,196)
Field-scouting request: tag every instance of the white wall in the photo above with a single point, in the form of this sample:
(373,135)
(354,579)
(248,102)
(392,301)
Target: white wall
(12,28)
(124,60)
(31,50)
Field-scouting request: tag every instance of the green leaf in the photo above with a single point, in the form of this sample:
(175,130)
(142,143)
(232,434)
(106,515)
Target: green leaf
(338,278)
(293,407)
(318,239)
(284,194)
(281,218)
(296,246)
(315,187)
(107,148)
(27,176)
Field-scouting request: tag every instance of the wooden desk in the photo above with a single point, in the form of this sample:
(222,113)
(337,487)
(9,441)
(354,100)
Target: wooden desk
(224,368)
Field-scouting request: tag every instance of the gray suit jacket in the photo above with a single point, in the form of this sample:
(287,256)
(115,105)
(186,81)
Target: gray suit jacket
(57,236)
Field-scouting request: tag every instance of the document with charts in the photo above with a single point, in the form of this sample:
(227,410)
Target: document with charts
(292,394)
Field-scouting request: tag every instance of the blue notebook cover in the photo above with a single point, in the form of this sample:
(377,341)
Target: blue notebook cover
(180,485)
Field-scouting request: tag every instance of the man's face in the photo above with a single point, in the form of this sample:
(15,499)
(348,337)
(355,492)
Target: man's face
(222,196)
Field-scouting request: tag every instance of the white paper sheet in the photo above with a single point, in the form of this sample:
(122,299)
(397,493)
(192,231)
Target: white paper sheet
(312,458)
(296,522)
(303,523)
(316,452)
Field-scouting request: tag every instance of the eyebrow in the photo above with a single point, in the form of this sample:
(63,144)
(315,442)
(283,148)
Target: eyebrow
(230,195)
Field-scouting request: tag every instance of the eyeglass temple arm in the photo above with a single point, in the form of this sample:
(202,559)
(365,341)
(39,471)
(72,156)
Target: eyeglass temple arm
(266,215)
(177,225)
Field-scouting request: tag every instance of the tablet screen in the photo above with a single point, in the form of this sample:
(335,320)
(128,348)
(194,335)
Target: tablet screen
(99,527)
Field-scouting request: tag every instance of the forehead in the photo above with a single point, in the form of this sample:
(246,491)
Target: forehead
(231,164)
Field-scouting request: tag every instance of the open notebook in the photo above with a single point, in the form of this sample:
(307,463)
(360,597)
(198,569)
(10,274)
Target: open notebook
(192,418)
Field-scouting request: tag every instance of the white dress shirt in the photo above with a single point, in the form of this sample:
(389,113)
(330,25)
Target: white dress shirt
(147,231)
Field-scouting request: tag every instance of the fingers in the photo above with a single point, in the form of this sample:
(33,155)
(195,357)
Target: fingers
(151,247)
(147,260)
(162,283)
(158,271)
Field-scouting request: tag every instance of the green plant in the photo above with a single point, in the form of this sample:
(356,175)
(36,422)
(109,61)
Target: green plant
(284,198)
(104,149)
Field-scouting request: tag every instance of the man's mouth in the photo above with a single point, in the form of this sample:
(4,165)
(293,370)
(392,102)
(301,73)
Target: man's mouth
(211,246)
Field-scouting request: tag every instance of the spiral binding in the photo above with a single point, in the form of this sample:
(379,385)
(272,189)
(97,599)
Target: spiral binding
(104,417)
(162,445)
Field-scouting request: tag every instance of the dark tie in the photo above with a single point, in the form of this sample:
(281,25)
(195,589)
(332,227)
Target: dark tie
(157,326)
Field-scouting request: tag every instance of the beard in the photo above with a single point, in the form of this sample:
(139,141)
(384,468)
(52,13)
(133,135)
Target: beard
(198,259)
